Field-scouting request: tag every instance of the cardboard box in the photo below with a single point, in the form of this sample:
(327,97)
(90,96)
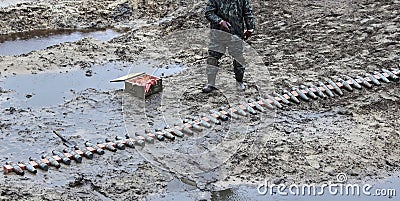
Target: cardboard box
(141,84)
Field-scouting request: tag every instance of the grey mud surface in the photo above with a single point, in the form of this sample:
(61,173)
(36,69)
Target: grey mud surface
(296,42)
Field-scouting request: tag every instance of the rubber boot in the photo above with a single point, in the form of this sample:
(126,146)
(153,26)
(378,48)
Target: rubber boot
(240,86)
(211,71)
(210,86)
(239,74)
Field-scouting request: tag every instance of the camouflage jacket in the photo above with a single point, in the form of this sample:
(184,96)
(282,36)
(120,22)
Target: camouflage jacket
(237,12)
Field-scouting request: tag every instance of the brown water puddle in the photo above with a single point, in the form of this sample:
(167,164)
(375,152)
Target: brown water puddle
(47,89)
(25,42)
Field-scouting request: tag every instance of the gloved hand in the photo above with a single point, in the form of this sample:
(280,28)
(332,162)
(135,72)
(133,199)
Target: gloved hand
(247,34)
(225,25)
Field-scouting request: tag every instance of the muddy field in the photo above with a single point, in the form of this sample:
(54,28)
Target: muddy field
(65,87)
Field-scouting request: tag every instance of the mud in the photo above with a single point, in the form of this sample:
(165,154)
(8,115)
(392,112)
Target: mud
(250,193)
(296,42)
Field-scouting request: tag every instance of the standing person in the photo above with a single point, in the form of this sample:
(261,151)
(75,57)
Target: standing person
(230,22)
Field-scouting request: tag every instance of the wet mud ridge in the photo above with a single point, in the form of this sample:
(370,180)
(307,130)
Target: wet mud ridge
(192,124)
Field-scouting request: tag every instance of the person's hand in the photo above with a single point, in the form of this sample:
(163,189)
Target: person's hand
(225,25)
(247,34)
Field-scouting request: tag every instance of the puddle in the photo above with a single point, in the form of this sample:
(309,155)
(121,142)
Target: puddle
(40,90)
(21,43)
(47,89)
(250,193)
(6,3)
(178,190)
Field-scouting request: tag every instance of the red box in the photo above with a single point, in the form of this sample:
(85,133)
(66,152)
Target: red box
(143,85)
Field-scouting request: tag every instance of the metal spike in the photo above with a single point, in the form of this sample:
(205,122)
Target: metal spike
(221,116)
(395,70)
(249,108)
(140,142)
(301,94)
(16,168)
(149,136)
(29,167)
(187,130)
(309,92)
(383,78)
(178,133)
(119,145)
(193,124)
(154,135)
(109,146)
(354,82)
(240,111)
(128,143)
(276,103)
(230,113)
(137,141)
(292,97)
(64,159)
(182,128)
(159,137)
(266,103)
(41,165)
(98,149)
(200,121)
(196,127)
(391,75)
(256,105)
(75,156)
(211,118)
(373,79)
(364,82)
(87,154)
(52,161)
(345,84)
(319,92)
(335,87)
(168,135)
(146,137)
(283,99)
(327,90)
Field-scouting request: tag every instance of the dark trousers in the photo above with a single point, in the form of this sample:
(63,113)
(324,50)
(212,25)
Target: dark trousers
(217,49)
